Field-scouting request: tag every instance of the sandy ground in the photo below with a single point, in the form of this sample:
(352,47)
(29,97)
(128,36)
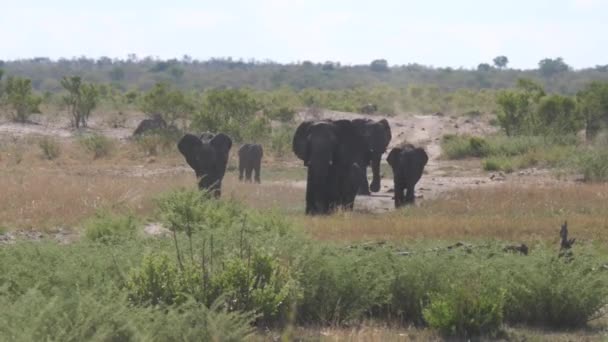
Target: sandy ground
(441,176)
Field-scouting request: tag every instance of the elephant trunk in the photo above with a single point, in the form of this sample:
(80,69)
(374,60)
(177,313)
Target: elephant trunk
(375,185)
(320,174)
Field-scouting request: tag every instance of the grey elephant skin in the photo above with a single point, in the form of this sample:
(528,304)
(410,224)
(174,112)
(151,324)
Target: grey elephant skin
(377,136)
(331,151)
(250,162)
(207,156)
(407,162)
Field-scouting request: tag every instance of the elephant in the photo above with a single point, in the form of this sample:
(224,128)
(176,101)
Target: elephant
(345,186)
(408,163)
(328,149)
(377,136)
(154,123)
(208,157)
(250,160)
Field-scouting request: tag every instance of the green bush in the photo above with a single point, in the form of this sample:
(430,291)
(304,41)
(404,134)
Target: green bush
(498,164)
(154,143)
(594,165)
(458,147)
(107,228)
(467,310)
(99,145)
(49,147)
(547,291)
(280,140)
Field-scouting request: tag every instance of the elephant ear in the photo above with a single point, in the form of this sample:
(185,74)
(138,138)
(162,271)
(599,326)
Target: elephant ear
(191,147)
(387,131)
(393,156)
(221,143)
(299,141)
(422,155)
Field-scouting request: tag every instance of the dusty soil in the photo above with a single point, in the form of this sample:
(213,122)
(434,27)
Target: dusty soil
(441,176)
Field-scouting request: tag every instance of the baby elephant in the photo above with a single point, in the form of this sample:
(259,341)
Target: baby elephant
(408,163)
(250,159)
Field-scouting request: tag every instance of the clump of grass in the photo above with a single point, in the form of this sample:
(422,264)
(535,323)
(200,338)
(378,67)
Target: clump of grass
(99,145)
(593,164)
(50,148)
(153,144)
(498,164)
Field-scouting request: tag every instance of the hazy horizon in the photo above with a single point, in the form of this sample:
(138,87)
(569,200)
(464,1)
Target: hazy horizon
(432,33)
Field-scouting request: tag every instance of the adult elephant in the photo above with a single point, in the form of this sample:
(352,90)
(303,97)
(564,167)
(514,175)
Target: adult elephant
(250,161)
(377,136)
(153,124)
(329,149)
(408,163)
(207,156)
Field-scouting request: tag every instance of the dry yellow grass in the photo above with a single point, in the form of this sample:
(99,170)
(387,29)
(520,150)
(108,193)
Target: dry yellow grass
(38,194)
(510,213)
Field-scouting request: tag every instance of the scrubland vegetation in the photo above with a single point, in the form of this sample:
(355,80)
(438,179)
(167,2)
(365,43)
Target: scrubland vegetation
(252,262)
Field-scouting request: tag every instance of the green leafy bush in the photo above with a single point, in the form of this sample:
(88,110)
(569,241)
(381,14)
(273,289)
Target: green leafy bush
(98,145)
(467,310)
(108,228)
(553,292)
(457,147)
(280,140)
(50,148)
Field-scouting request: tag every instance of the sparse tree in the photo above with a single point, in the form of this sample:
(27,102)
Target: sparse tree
(501,62)
(328,66)
(484,67)
(171,104)
(379,65)
(549,67)
(81,99)
(21,99)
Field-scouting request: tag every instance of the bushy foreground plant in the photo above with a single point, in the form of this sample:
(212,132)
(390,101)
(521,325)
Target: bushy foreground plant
(97,144)
(249,268)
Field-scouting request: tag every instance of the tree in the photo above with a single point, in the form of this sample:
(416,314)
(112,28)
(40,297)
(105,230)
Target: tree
(81,99)
(171,104)
(20,97)
(558,115)
(501,62)
(484,67)
(593,106)
(231,111)
(117,74)
(549,67)
(328,66)
(379,65)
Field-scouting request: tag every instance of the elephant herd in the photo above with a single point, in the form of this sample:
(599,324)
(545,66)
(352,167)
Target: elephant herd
(336,153)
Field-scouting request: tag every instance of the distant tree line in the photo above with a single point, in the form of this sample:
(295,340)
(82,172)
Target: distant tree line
(141,74)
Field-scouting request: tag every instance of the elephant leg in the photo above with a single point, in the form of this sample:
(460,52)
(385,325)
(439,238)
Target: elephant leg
(309,195)
(257,171)
(409,195)
(363,183)
(241,171)
(399,197)
(248,173)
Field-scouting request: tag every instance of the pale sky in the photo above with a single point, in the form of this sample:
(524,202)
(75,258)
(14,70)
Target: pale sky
(456,33)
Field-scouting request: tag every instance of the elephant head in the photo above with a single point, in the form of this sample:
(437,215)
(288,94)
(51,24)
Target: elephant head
(408,163)
(208,159)
(328,148)
(377,136)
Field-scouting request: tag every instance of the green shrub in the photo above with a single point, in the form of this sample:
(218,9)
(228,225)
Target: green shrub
(498,164)
(153,143)
(594,165)
(99,145)
(108,228)
(458,147)
(49,147)
(547,291)
(280,140)
(467,310)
